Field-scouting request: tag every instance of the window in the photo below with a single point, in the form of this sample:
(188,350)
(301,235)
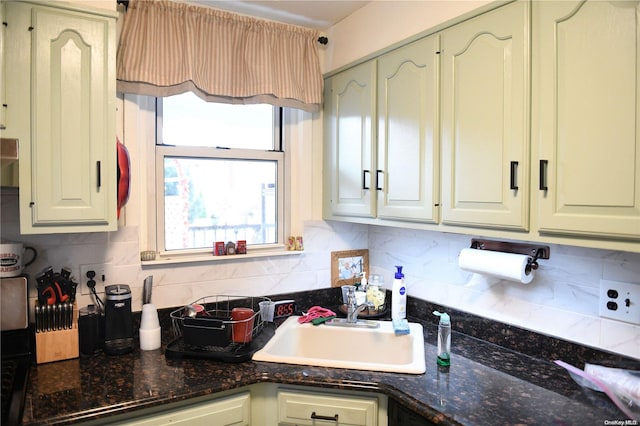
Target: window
(220,173)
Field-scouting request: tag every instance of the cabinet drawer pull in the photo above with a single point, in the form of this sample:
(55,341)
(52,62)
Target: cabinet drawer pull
(378,188)
(543,175)
(514,171)
(330,418)
(99,174)
(364,179)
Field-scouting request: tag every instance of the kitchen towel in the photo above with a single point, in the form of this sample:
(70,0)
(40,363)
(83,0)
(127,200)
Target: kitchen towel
(507,266)
(316,312)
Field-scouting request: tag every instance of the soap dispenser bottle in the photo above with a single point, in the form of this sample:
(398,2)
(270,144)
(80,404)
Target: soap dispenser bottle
(398,296)
(444,339)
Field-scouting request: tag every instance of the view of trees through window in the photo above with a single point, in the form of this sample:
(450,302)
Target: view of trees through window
(220,173)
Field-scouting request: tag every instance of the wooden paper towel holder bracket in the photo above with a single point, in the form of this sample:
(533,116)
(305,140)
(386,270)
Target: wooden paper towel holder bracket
(535,251)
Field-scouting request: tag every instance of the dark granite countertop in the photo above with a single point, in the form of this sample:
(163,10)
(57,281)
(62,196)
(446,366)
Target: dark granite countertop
(487,383)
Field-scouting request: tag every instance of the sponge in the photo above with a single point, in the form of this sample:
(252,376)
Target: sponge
(320,320)
(401,326)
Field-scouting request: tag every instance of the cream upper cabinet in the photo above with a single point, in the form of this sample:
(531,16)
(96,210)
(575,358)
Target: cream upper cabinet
(3,69)
(349,120)
(68,147)
(485,120)
(381,140)
(586,117)
(407,175)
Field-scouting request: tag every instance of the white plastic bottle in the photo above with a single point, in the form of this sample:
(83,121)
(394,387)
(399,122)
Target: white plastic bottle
(398,296)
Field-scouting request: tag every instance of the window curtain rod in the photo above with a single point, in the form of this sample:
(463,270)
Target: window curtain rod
(322,39)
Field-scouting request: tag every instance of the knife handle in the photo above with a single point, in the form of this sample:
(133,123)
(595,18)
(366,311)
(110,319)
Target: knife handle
(37,314)
(49,317)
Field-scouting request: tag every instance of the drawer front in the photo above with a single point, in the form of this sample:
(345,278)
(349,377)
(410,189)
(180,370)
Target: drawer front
(301,408)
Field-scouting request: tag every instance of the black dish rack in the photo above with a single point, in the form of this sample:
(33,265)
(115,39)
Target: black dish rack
(212,334)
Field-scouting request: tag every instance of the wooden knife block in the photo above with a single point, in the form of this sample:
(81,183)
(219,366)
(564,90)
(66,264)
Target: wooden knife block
(58,345)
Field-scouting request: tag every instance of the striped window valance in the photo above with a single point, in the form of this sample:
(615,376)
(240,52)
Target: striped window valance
(167,48)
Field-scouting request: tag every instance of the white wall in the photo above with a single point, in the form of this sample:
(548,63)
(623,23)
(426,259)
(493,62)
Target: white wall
(561,301)
(380,24)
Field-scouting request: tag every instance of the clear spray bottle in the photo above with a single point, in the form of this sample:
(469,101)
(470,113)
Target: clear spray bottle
(444,339)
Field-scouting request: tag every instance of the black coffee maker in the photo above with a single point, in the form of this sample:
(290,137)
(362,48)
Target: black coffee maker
(118,320)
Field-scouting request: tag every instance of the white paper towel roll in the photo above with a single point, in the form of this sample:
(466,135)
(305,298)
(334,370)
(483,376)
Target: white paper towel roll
(508,266)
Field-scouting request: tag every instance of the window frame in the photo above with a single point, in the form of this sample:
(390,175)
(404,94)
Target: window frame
(283,187)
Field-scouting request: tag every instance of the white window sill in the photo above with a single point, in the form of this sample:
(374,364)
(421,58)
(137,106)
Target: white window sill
(169,259)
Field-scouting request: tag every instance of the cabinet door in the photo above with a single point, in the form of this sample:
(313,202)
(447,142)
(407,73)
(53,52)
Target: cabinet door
(349,134)
(586,117)
(73,151)
(8,168)
(401,416)
(302,408)
(3,68)
(234,410)
(408,174)
(485,116)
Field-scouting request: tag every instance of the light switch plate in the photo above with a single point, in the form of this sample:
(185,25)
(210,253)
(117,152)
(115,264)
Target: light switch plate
(620,301)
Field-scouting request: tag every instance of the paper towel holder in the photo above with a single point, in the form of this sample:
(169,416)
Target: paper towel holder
(533,250)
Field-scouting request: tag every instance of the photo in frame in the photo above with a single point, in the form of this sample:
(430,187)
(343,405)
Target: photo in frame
(347,266)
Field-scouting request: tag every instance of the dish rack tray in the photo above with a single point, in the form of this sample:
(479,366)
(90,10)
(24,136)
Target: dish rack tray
(212,329)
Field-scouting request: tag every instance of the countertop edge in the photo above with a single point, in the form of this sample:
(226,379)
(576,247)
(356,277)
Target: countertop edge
(301,379)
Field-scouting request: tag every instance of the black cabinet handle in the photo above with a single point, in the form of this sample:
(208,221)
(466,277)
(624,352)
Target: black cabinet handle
(330,418)
(514,171)
(364,179)
(543,175)
(378,180)
(99,174)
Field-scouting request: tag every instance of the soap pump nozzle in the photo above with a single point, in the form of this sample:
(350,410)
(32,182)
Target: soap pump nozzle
(444,317)
(399,275)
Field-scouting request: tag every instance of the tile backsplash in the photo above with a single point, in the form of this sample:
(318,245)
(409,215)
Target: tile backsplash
(562,300)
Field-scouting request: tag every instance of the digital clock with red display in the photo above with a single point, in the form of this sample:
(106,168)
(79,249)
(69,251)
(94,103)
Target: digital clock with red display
(284,308)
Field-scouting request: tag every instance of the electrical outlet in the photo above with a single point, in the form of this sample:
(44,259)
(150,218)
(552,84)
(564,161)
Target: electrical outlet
(620,301)
(100,277)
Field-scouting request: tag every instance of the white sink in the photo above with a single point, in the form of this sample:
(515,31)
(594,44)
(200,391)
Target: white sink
(359,348)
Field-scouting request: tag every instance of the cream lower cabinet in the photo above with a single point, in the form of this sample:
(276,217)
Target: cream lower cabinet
(586,117)
(61,105)
(233,410)
(265,404)
(317,408)
(485,116)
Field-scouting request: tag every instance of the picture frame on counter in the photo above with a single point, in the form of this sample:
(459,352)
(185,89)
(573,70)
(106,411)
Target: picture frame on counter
(347,266)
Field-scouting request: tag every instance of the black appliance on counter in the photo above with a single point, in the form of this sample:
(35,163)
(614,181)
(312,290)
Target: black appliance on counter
(16,347)
(118,320)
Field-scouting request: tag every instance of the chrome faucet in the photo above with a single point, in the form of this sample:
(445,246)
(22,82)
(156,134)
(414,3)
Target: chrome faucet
(353,310)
